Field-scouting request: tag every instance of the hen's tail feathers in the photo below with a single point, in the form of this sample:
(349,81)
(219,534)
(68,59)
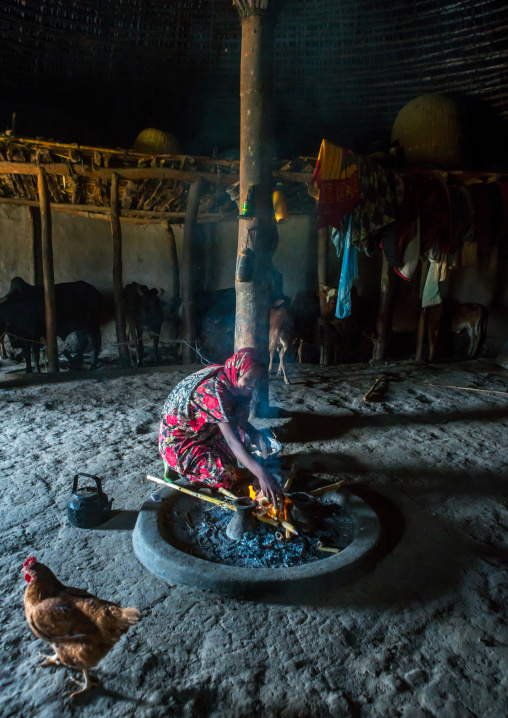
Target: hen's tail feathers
(130,615)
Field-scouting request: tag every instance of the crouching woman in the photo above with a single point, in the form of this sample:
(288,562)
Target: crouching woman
(205,422)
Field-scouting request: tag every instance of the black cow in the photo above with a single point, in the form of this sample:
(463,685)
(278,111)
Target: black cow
(143,312)
(23,318)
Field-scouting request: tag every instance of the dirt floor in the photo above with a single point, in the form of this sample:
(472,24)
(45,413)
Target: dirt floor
(424,633)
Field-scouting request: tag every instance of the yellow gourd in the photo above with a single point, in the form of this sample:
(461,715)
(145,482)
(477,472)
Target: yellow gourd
(156,142)
(431,131)
(280,207)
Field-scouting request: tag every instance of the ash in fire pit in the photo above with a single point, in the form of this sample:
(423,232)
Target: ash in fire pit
(200,530)
(183,540)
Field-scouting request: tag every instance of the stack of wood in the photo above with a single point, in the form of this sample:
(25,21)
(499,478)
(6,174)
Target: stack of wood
(151,186)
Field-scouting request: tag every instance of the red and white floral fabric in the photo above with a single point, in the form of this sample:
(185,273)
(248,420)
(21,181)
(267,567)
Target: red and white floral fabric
(190,441)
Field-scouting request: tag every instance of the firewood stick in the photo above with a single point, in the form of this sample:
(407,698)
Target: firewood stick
(273,522)
(374,387)
(466,388)
(287,534)
(292,476)
(328,549)
(218,502)
(330,487)
(224,504)
(227,493)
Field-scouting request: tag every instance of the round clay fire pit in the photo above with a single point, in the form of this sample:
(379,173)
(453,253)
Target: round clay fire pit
(165,554)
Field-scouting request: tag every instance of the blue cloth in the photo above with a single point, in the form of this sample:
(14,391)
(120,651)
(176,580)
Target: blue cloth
(349,273)
(339,239)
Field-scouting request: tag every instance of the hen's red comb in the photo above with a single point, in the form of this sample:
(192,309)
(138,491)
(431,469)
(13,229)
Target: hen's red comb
(30,560)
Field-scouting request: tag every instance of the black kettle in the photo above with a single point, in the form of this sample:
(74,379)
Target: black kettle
(89,505)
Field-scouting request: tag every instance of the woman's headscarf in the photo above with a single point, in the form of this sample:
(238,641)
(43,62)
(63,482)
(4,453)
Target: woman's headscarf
(240,363)
(178,402)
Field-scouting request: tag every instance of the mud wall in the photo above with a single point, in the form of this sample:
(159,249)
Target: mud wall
(16,245)
(83,250)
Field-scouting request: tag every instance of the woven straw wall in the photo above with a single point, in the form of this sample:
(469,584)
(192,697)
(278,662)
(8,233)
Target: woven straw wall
(99,71)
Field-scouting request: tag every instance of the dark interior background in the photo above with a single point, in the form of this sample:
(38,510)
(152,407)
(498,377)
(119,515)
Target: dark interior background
(98,71)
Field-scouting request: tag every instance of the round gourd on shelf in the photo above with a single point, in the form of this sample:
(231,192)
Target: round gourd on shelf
(431,130)
(156,142)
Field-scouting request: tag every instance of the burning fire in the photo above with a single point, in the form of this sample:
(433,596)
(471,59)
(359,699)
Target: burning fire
(269,509)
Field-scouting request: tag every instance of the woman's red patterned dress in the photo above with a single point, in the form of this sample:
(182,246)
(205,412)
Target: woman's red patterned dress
(190,441)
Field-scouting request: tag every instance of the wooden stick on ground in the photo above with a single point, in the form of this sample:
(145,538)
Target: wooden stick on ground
(374,387)
(466,388)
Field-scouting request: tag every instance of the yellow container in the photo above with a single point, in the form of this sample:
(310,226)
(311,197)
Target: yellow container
(280,207)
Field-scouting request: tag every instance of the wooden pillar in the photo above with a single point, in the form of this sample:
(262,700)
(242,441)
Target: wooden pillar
(175,285)
(34,222)
(323,255)
(48,272)
(116,233)
(187,277)
(256,79)
(384,317)
(173,257)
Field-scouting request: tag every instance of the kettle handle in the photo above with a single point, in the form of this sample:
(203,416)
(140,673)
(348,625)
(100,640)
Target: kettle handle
(90,476)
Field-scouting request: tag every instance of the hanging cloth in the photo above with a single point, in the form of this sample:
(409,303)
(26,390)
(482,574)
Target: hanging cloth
(411,253)
(436,274)
(348,275)
(378,207)
(335,184)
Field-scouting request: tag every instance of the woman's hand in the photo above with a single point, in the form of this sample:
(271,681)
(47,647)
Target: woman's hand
(267,481)
(270,488)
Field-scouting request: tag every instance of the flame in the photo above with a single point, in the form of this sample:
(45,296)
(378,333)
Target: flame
(281,514)
(268,509)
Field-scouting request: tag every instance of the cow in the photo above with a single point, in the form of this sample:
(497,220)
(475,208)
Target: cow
(344,340)
(143,312)
(473,318)
(441,321)
(282,335)
(453,317)
(23,318)
(292,324)
(331,329)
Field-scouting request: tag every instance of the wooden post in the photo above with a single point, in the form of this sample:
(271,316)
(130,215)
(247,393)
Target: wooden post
(175,284)
(384,317)
(48,272)
(34,222)
(173,257)
(323,255)
(123,349)
(187,277)
(256,80)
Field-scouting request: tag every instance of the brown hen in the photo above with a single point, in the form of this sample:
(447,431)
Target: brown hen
(81,627)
